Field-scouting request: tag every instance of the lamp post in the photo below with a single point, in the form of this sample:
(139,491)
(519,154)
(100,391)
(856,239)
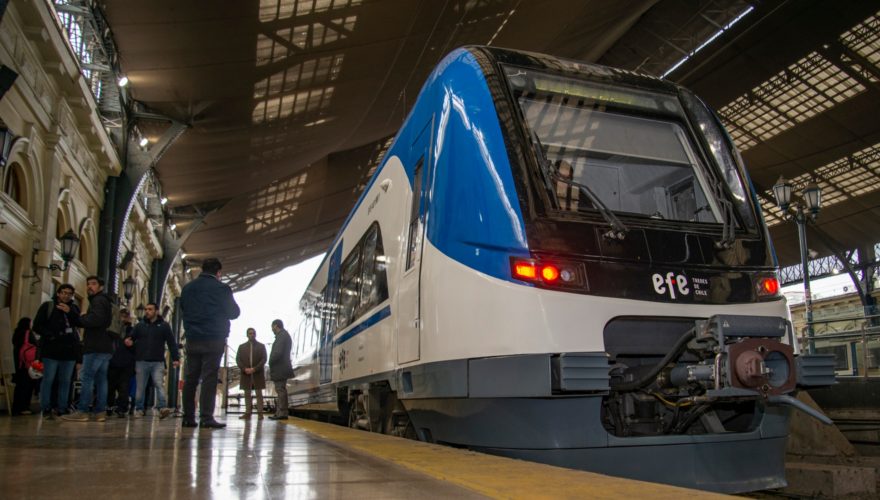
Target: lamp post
(805,210)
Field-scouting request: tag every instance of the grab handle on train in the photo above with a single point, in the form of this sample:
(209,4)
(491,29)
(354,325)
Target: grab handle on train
(784,399)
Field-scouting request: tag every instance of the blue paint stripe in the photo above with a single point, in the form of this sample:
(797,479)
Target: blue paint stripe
(372,320)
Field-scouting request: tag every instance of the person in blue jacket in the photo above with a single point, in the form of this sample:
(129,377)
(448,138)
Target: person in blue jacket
(207,306)
(149,339)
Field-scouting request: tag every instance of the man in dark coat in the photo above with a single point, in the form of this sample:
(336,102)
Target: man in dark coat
(121,367)
(280,368)
(97,351)
(149,339)
(251,360)
(56,323)
(207,306)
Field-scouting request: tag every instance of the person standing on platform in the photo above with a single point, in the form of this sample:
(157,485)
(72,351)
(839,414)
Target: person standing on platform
(24,345)
(121,368)
(56,323)
(280,368)
(97,351)
(149,339)
(207,306)
(251,360)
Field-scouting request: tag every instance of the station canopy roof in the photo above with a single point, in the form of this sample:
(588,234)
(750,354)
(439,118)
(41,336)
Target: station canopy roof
(290,104)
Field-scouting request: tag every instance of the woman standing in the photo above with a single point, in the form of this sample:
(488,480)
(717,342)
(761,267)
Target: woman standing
(25,348)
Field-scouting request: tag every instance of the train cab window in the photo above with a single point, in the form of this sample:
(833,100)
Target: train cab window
(630,147)
(363,283)
(374,285)
(349,287)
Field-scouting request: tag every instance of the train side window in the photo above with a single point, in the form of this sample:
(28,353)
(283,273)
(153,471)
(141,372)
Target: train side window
(374,286)
(349,288)
(414,220)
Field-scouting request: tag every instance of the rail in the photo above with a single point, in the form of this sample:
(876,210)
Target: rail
(869,330)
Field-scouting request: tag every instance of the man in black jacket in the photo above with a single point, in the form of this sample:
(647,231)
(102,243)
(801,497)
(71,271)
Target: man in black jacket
(207,306)
(121,367)
(56,323)
(149,339)
(97,351)
(280,369)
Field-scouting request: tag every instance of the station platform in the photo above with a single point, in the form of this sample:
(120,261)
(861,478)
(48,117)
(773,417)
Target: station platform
(256,459)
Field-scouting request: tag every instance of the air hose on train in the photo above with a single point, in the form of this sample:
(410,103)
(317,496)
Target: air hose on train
(651,375)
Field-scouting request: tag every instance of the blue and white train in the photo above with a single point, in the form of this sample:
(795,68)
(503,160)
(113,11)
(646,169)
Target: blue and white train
(564,263)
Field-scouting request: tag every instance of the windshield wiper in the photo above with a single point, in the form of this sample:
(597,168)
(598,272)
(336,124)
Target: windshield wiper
(728,229)
(618,229)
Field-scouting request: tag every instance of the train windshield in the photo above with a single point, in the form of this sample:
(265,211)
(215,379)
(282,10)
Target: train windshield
(616,149)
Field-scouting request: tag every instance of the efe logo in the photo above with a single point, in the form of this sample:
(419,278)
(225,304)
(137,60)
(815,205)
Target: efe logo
(670,283)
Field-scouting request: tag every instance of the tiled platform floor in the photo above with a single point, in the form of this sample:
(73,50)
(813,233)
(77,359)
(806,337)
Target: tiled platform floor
(149,458)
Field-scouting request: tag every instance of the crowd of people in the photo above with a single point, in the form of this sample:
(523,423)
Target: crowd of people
(118,370)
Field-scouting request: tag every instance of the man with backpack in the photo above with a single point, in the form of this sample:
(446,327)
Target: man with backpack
(97,351)
(56,323)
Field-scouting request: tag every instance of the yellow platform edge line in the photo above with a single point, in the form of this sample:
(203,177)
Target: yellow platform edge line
(496,477)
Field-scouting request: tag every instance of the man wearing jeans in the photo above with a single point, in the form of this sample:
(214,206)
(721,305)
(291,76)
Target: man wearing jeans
(56,323)
(149,339)
(97,351)
(207,306)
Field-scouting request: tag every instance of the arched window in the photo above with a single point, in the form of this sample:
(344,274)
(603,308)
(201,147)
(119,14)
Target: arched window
(12,184)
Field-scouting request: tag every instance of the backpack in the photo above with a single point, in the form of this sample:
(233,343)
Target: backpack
(28,352)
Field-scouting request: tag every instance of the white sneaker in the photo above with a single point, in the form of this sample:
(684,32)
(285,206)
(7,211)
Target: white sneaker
(139,414)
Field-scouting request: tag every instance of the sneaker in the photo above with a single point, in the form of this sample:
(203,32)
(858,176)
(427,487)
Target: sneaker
(76,416)
(164,412)
(121,414)
(139,414)
(100,417)
(48,415)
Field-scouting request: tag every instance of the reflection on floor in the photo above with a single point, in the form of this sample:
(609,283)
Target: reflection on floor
(149,458)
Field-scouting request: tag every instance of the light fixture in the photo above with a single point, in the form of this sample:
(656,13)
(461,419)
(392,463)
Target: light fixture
(139,310)
(128,288)
(173,226)
(123,81)
(183,255)
(782,193)
(812,195)
(144,141)
(69,246)
(164,200)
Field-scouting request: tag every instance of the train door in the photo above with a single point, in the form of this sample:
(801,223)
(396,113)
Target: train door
(409,326)
(328,320)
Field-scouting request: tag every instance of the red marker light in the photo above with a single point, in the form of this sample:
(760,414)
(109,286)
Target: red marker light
(550,273)
(525,270)
(770,286)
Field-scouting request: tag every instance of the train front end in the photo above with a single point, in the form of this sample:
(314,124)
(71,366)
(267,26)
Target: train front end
(642,333)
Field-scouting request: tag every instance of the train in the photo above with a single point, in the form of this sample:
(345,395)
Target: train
(565,263)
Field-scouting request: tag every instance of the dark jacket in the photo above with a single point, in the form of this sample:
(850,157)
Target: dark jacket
(150,340)
(207,307)
(96,339)
(279,359)
(252,355)
(123,356)
(51,325)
